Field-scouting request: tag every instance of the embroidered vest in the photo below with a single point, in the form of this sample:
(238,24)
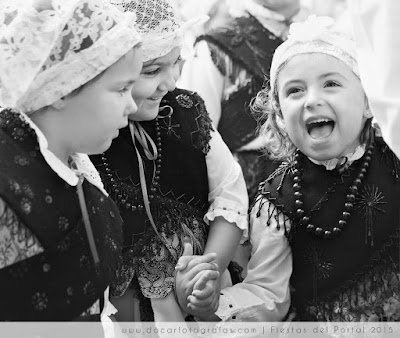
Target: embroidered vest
(342,278)
(63,281)
(178,204)
(250,46)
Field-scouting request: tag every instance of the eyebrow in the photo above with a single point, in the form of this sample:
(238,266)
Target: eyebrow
(321,77)
(126,82)
(330,74)
(159,63)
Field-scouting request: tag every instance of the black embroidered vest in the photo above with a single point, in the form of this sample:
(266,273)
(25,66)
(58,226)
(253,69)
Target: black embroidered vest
(178,204)
(250,46)
(63,281)
(341,279)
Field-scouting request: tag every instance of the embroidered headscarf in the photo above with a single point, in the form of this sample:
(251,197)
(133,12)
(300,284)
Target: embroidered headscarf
(159,24)
(48,48)
(315,35)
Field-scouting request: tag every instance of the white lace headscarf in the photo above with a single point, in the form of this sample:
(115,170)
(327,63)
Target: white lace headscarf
(159,24)
(48,48)
(315,35)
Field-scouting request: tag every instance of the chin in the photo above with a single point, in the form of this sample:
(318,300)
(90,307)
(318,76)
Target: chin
(101,148)
(323,155)
(145,114)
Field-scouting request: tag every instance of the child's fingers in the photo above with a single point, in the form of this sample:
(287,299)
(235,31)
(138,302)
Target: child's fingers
(203,306)
(187,255)
(206,292)
(202,281)
(203,303)
(187,247)
(207,258)
(209,270)
(188,262)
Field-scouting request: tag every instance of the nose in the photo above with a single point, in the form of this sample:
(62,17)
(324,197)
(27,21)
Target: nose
(169,81)
(132,107)
(313,99)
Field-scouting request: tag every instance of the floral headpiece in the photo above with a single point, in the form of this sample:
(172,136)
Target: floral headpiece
(48,48)
(315,35)
(159,25)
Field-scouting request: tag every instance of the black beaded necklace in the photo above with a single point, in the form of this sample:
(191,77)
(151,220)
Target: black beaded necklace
(120,196)
(305,220)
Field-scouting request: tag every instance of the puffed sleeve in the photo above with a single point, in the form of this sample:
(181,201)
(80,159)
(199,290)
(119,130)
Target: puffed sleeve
(200,75)
(228,195)
(264,294)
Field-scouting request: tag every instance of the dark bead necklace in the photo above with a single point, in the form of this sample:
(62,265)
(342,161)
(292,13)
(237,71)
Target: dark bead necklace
(121,197)
(305,220)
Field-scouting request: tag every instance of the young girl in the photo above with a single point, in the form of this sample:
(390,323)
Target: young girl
(171,176)
(330,200)
(66,71)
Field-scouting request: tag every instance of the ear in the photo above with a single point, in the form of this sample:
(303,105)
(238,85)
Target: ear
(59,104)
(367,111)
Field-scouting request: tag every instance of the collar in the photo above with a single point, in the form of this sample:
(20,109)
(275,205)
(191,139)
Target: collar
(81,164)
(351,157)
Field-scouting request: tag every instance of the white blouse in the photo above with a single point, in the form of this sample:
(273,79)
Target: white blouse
(264,294)
(228,194)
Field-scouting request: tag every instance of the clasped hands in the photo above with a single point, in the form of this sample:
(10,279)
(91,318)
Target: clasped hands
(197,284)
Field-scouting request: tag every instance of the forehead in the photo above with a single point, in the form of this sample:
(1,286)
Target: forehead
(166,59)
(127,68)
(306,65)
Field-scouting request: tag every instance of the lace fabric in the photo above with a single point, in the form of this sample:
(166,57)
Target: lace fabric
(159,24)
(48,48)
(315,35)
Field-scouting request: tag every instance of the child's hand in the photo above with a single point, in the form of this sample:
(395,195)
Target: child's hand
(188,273)
(204,300)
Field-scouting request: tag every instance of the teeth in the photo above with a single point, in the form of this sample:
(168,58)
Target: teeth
(319,121)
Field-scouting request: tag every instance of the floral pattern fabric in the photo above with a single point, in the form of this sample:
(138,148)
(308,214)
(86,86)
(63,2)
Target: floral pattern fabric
(17,243)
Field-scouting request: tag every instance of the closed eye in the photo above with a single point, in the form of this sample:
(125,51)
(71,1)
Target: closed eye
(124,90)
(331,83)
(152,72)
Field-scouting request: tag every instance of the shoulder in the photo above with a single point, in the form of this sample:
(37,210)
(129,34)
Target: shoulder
(190,114)
(276,172)
(14,128)
(386,159)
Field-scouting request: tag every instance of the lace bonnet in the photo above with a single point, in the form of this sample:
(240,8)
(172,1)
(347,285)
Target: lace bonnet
(48,48)
(315,35)
(159,24)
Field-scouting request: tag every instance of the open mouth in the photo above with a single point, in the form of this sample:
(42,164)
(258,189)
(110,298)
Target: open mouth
(321,128)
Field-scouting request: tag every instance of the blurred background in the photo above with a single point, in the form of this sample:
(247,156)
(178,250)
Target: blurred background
(217,10)
(191,8)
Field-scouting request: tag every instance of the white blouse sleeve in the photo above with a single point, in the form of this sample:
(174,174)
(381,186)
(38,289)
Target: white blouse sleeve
(264,294)
(200,75)
(228,194)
